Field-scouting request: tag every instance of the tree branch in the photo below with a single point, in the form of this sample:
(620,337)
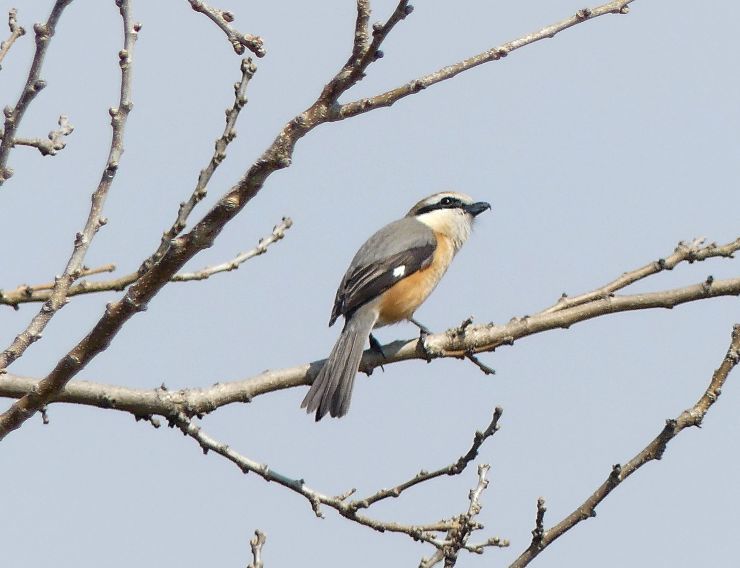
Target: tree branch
(278,156)
(41,292)
(695,251)
(453,343)
(256,545)
(34,84)
(248,69)
(494,54)
(653,451)
(238,40)
(53,143)
(16,31)
(58,296)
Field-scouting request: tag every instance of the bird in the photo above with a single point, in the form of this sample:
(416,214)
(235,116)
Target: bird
(390,276)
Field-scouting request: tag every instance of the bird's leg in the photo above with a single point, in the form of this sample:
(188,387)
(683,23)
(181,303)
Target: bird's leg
(376,346)
(424,331)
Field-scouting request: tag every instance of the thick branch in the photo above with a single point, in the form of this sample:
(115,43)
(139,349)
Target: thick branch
(276,157)
(653,451)
(34,84)
(453,343)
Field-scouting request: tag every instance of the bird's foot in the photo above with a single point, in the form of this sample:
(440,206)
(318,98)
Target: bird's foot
(377,348)
(424,332)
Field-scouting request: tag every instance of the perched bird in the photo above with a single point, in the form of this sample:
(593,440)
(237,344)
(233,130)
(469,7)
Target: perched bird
(388,279)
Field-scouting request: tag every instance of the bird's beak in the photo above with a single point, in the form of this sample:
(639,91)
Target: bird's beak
(477,208)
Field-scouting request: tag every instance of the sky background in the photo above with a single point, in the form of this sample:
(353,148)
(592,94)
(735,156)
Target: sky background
(599,150)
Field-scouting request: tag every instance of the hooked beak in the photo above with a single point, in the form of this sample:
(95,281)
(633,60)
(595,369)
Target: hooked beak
(477,208)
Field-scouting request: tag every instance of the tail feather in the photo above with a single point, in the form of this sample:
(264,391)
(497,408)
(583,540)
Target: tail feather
(331,390)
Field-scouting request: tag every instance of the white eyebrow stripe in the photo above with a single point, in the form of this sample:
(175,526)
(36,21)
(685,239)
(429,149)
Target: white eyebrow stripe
(399,271)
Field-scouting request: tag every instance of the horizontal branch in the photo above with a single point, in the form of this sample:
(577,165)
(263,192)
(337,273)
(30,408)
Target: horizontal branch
(41,292)
(456,342)
(653,451)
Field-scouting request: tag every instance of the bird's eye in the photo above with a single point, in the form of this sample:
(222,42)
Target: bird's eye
(447,201)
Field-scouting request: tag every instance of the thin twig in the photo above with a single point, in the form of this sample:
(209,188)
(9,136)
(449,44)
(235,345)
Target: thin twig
(16,31)
(26,407)
(693,251)
(256,545)
(54,141)
(423,476)
(653,451)
(41,292)
(238,40)
(248,69)
(278,232)
(316,499)
(34,84)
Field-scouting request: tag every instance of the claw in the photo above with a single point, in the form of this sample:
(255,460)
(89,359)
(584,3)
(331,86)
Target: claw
(378,348)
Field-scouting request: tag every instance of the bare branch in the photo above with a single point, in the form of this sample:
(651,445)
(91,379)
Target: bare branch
(41,292)
(24,408)
(316,499)
(278,156)
(494,54)
(653,451)
(694,251)
(278,232)
(16,31)
(248,69)
(53,143)
(34,84)
(238,40)
(424,476)
(449,344)
(256,545)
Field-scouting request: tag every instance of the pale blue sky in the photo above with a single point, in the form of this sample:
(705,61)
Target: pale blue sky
(599,150)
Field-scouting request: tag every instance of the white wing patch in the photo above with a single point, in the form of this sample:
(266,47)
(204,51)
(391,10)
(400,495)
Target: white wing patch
(399,271)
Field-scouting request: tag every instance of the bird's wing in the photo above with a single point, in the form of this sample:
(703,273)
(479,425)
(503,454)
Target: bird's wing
(392,255)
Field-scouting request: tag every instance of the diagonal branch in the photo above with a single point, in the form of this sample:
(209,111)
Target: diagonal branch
(694,251)
(653,451)
(248,69)
(42,292)
(423,476)
(58,295)
(277,156)
(16,31)
(222,19)
(494,54)
(34,84)
(278,232)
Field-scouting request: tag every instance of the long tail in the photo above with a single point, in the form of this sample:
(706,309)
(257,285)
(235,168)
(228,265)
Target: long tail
(332,388)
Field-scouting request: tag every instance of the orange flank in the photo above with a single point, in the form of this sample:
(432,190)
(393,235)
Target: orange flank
(400,301)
